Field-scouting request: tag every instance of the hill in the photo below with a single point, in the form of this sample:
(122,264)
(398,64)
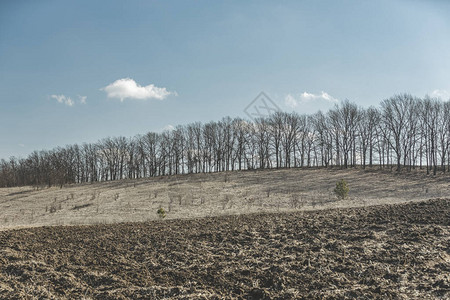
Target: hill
(213,194)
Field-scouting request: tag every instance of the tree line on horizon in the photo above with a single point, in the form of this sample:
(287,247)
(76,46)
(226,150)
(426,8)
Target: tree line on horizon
(404,132)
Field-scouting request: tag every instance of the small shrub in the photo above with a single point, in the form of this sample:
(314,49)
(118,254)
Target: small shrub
(161,213)
(226,200)
(341,189)
(52,209)
(297,201)
(294,201)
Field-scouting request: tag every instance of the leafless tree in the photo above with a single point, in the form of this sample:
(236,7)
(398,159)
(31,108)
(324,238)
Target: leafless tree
(405,131)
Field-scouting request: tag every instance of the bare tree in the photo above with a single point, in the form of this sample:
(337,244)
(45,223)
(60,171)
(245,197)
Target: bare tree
(405,131)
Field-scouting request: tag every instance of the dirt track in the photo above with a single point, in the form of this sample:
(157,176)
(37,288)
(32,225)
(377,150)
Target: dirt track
(389,251)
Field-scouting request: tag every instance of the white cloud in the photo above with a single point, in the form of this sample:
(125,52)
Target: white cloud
(21,145)
(169,128)
(290,101)
(127,88)
(309,102)
(443,94)
(63,99)
(305,97)
(82,99)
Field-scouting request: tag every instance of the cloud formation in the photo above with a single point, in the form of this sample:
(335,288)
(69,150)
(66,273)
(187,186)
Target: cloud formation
(127,88)
(82,99)
(294,101)
(443,94)
(169,127)
(63,99)
(309,103)
(67,100)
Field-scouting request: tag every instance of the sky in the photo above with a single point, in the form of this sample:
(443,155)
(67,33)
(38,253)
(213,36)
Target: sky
(79,71)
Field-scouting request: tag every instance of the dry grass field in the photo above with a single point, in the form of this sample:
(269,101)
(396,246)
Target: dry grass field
(216,194)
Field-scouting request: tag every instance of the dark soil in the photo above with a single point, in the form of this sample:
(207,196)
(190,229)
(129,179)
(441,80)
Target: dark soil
(391,251)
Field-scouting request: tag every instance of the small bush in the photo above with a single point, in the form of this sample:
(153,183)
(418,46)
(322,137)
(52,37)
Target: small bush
(161,213)
(52,209)
(341,189)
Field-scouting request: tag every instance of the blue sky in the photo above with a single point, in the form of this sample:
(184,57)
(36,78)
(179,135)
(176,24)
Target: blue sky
(141,66)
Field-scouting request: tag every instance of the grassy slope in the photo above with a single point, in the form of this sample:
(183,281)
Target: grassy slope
(199,195)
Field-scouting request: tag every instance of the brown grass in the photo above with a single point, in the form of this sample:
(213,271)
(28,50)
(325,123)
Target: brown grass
(200,195)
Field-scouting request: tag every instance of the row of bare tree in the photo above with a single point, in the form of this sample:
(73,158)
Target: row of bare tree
(404,132)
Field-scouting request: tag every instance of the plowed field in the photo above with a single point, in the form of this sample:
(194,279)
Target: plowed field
(388,251)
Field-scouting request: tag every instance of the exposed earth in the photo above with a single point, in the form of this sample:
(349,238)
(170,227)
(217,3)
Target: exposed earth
(398,251)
